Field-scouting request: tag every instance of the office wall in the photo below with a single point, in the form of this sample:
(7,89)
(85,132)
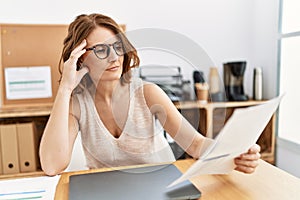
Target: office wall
(288,156)
(265,32)
(227,30)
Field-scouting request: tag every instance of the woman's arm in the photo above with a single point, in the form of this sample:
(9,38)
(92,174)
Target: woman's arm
(59,136)
(62,127)
(185,135)
(173,122)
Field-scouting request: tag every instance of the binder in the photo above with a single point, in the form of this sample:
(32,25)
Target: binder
(27,146)
(9,149)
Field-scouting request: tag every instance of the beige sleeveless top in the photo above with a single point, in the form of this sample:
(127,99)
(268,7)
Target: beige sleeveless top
(141,141)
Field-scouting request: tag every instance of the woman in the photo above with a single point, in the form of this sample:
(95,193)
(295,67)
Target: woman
(114,112)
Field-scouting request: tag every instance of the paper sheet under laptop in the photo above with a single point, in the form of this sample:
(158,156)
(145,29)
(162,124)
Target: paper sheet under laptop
(240,132)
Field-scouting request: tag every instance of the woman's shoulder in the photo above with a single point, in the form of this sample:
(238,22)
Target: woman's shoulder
(153,94)
(146,86)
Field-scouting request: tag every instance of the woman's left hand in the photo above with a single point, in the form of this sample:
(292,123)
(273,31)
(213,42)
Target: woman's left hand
(247,162)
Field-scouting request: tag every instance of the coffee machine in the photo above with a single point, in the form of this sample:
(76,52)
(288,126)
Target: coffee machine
(234,80)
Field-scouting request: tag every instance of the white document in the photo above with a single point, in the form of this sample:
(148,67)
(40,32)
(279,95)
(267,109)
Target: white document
(29,188)
(28,82)
(240,132)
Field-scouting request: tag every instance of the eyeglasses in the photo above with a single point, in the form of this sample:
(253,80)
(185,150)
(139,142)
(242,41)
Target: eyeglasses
(102,51)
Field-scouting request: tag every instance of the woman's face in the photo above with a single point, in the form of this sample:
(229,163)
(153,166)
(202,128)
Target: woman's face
(109,68)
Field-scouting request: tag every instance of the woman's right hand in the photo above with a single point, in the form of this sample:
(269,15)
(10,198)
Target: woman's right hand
(70,76)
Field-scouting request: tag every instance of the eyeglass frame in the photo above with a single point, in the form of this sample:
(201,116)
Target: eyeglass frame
(108,49)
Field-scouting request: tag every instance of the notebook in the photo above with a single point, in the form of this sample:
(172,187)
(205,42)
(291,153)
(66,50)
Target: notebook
(147,183)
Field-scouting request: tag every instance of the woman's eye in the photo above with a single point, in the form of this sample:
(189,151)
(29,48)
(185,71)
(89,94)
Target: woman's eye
(100,50)
(119,47)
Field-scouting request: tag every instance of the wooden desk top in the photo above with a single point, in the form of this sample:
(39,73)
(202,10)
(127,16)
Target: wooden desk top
(268,182)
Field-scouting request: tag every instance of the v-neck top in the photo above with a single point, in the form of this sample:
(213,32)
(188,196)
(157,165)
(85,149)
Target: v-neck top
(141,141)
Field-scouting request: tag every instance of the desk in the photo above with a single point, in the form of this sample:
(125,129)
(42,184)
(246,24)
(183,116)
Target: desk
(267,182)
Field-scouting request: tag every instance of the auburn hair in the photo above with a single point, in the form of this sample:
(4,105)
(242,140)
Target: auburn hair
(83,25)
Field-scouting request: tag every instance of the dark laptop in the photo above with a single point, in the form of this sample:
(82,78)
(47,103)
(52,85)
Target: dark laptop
(147,183)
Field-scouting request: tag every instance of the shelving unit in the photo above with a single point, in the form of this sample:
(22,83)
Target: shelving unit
(209,118)
(21,46)
(38,114)
(209,122)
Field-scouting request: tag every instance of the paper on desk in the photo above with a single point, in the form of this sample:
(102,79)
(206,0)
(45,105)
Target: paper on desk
(29,188)
(240,132)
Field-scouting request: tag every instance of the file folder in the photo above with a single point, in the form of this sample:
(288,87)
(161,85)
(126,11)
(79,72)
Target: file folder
(27,146)
(9,149)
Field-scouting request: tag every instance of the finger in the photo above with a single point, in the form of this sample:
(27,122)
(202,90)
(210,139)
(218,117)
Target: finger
(244,169)
(78,51)
(82,72)
(246,163)
(75,55)
(254,149)
(250,156)
(80,46)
